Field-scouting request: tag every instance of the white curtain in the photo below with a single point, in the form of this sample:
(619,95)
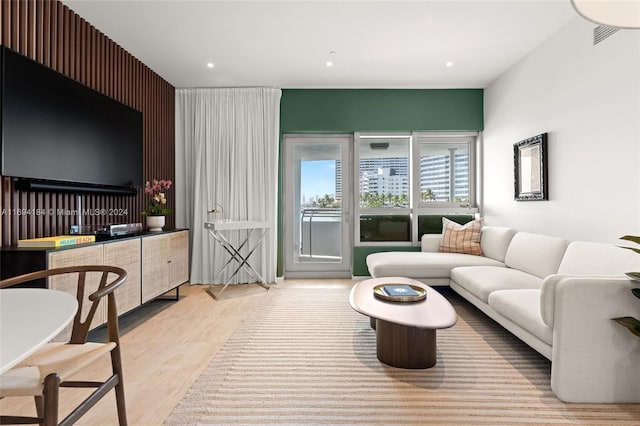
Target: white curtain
(227,155)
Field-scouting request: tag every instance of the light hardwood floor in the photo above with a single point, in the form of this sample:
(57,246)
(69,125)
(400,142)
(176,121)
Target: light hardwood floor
(165,346)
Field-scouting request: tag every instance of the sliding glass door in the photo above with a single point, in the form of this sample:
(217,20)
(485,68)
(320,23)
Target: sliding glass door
(317,195)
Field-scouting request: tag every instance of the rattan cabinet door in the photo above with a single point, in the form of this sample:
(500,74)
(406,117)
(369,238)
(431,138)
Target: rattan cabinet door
(126,255)
(81,256)
(155,266)
(178,258)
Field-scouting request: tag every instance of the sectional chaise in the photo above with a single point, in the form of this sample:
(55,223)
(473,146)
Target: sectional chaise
(555,295)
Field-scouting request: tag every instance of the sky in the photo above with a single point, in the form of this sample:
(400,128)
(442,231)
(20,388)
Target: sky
(318,178)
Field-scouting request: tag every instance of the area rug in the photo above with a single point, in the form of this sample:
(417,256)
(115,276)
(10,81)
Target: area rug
(304,356)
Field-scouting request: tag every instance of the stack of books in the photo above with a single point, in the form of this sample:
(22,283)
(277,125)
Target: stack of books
(400,290)
(58,241)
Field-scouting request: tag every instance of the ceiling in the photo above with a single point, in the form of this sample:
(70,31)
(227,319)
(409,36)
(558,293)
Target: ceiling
(286,44)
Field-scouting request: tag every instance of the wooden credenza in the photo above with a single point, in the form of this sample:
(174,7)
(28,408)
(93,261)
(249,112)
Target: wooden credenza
(156,263)
(163,266)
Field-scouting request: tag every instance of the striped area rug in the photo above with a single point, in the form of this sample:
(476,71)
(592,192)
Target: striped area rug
(305,357)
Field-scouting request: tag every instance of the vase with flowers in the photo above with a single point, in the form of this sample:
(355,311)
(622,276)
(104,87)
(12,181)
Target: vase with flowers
(157,209)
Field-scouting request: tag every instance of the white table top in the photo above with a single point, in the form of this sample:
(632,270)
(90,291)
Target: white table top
(231,225)
(29,318)
(433,312)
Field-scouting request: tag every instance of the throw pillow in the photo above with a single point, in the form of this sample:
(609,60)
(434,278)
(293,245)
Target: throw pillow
(458,238)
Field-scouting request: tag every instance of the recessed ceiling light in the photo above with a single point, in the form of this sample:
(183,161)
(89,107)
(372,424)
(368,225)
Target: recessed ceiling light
(449,64)
(210,65)
(329,63)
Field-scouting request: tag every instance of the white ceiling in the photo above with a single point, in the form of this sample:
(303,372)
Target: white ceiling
(286,44)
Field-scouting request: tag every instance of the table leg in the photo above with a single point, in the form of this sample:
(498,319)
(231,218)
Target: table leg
(236,255)
(405,347)
(244,260)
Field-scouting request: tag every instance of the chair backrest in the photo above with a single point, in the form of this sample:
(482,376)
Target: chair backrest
(106,287)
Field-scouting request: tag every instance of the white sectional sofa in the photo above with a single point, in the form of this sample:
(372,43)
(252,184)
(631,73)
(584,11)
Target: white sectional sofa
(557,296)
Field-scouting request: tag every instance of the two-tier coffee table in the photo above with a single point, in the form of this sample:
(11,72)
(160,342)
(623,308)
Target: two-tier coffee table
(405,331)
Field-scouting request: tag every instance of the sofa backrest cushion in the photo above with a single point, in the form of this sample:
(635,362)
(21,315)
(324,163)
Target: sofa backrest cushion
(587,258)
(539,255)
(495,241)
(430,242)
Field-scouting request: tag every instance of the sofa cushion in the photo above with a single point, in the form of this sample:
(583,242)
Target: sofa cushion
(495,241)
(430,242)
(481,281)
(586,258)
(523,308)
(536,254)
(422,264)
(458,238)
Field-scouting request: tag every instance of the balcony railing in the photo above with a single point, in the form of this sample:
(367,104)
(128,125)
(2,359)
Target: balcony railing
(320,234)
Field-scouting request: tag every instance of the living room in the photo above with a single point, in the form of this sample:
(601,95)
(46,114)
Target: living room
(583,96)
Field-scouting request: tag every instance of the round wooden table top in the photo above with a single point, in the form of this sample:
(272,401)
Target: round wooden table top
(433,312)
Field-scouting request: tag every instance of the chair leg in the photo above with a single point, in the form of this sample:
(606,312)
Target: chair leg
(50,394)
(116,364)
(39,399)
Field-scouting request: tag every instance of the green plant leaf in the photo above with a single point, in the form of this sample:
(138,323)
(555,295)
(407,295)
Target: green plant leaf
(636,292)
(632,324)
(634,238)
(635,276)
(631,248)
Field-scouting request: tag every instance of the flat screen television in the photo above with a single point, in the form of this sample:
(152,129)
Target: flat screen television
(60,135)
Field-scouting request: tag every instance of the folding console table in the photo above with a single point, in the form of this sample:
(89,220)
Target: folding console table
(236,253)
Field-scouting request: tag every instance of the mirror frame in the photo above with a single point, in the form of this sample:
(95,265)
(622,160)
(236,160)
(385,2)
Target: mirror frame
(530,166)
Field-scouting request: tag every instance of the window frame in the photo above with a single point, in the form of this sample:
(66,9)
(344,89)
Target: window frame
(416,206)
(445,139)
(358,136)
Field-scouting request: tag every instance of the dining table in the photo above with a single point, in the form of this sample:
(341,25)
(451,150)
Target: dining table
(29,318)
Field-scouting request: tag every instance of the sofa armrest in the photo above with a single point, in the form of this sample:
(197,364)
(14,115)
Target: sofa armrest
(430,242)
(548,297)
(594,359)
(552,282)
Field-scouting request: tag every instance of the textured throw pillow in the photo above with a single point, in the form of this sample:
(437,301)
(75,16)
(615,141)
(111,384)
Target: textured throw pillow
(458,238)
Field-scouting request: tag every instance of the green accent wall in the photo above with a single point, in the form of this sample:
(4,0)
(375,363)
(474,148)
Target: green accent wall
(358,110)
(360,256)
(371,110)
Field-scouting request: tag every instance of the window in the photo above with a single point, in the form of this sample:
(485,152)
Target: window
(383,165)
(404,178)
(445,171)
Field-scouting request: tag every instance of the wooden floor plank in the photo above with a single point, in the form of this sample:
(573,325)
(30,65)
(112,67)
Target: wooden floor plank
(165,347)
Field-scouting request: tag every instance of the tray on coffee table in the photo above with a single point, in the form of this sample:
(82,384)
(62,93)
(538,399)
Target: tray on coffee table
(380,293)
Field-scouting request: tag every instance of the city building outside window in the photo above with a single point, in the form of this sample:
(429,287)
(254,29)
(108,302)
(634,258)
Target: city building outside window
(401,177)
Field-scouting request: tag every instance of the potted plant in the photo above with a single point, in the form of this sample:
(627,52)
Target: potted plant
(631,323)
(157,209)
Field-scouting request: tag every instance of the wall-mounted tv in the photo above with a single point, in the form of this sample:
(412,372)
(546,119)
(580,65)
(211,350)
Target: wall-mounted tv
(59,135)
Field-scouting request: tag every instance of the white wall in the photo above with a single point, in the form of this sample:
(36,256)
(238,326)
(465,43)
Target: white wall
(587,98)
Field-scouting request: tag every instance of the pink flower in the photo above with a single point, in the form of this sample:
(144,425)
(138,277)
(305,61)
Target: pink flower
(158,200)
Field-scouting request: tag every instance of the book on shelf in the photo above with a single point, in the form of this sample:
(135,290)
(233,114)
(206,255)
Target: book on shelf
(58,241)
(399,290)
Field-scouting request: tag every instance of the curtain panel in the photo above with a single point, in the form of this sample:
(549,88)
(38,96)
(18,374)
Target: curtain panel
(227,159)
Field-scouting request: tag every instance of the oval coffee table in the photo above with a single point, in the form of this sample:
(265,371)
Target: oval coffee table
(405,331)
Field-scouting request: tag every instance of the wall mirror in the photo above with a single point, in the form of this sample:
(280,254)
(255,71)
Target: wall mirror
(530,166)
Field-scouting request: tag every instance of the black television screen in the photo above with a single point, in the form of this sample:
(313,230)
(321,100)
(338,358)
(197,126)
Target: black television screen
(56,129)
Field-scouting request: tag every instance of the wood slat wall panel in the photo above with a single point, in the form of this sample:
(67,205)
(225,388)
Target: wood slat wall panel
(52,34)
